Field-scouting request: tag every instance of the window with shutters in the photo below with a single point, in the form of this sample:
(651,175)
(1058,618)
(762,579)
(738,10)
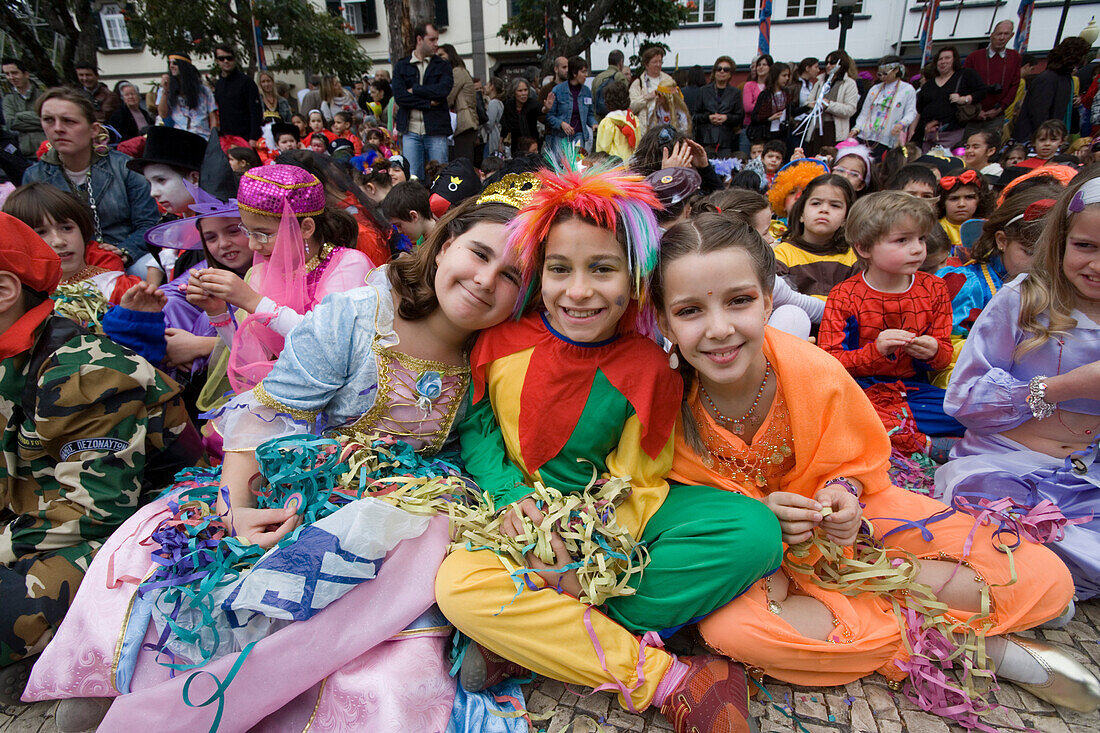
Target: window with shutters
(116,37)
(361,16)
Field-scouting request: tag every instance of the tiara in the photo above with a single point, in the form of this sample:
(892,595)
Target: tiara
(514,189)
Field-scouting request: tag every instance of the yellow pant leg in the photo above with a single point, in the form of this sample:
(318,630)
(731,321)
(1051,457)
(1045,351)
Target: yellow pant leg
(544,630)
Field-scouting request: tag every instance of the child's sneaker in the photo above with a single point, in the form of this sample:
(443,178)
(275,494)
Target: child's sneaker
(713,697)
(481,669)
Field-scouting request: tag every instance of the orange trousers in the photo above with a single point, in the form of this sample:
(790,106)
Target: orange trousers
(868,637)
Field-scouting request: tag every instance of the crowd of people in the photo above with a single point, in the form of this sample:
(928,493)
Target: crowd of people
(410,390)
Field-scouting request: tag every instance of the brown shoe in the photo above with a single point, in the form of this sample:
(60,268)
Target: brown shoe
(481,669)
(713,698)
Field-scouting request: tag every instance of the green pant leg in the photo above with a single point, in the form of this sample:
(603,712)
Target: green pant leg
(706,546)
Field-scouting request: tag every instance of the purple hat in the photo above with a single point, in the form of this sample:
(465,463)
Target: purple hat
(184,233)
(264,189)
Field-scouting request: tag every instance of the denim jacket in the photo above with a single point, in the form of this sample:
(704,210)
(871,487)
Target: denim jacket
(123,203)
(562,111)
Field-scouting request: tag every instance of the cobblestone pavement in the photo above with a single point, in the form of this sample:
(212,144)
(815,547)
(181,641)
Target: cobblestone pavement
(866,706)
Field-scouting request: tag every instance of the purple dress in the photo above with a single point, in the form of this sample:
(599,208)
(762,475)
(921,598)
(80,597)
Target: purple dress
(988,394)
(178,313)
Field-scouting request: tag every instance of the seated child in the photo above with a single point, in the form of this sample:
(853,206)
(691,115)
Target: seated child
(854,163)
(772,156)
(1047,142)
(318,143)
(617,133)
(342,128)
(916,180)
(287,136)
(242,158)
(90,431)
(408,207)
(814,255)
(1014,156)
(937,249)
(892,322)
(809,441)
(65,223)
(981,147)
(571,391)
(962,197)
(1025,388)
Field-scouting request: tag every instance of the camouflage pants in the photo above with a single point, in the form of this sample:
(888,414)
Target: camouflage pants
(35,593)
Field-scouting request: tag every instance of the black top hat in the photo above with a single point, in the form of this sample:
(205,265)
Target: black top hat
(279,129)
(171,146)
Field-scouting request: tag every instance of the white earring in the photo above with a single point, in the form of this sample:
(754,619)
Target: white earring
(673,360)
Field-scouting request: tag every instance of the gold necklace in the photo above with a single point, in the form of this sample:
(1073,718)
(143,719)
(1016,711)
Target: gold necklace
(752,464)
(322,256)
(87,272)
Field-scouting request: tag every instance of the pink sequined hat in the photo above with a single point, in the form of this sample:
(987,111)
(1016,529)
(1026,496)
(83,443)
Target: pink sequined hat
(264,189)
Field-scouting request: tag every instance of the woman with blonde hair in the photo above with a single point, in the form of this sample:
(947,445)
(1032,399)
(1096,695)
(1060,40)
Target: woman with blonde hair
(276,109)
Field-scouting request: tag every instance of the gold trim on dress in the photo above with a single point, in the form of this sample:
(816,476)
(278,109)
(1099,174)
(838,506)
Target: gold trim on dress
(264,398)
(122,632)
(316,705)
(322,256)
(385,357)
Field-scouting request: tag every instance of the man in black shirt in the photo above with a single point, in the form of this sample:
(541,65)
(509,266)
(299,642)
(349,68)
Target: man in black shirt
(239,109)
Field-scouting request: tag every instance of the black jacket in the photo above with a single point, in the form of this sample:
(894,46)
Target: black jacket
(123,121)
(1048,97)
(520,123)
(429,96)
(240,111)
(721,102)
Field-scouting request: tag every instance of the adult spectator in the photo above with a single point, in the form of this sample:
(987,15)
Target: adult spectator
(130,119)
(771,117)
(947,87)
(720,111)
(691,85)
(494,111)
(643,90)
(421,83)
(999,67)
(273,107)
(521,114)
(335,98)
(462,100)
(185,101)
(615,71)
(806,72)
(889,110)
(103,99)
(80,162)
(19,107)
(1050,94)
(571,116)
(91,430)
(559,72)
(381,102)
(750,91)
(838,105)
(309,98)
(240,112)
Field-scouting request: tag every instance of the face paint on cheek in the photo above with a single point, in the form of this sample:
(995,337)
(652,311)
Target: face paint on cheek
(620,301)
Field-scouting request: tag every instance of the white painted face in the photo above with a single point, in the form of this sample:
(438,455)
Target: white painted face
(166,186)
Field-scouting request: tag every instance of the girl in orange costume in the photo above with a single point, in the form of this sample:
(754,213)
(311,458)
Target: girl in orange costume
(777,419)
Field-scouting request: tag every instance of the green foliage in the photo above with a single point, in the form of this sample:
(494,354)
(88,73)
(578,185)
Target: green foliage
(590,20)
(308,37)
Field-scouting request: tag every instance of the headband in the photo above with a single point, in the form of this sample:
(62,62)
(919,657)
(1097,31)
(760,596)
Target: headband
(179,57)
(1089,193)
(1036,210)
(966,178)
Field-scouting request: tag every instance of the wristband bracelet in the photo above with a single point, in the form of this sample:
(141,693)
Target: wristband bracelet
(220,320)
(846,483)
(1037,398)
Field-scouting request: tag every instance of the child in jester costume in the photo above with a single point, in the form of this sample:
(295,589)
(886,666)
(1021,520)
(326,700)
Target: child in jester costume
(576,385)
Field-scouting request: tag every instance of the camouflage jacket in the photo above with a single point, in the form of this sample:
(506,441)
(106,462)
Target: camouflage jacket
(90,429)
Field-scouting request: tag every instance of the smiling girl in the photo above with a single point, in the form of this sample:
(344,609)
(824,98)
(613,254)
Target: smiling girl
(772,418)
(574,384)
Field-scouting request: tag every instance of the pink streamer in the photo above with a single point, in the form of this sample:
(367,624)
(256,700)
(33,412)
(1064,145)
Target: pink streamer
(649,639)
(1041,524)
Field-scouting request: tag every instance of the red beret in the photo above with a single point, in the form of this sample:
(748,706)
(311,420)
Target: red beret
(25,255)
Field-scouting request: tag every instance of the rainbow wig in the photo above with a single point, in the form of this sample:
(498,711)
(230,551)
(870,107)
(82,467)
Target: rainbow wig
(607,196)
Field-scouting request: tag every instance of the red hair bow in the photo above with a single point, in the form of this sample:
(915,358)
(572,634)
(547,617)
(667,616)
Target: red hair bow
(966,177)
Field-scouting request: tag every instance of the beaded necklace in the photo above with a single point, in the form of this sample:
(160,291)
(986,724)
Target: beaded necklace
(737,424)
